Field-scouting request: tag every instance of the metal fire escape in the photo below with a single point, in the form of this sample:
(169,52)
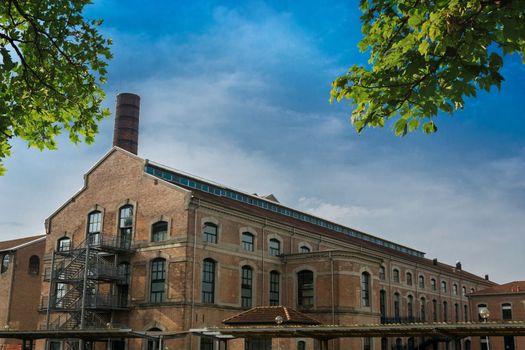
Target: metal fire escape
(86,285)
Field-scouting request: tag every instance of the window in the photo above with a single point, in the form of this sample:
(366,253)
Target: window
(64,244)
(508,342)
(410,344)
(433,284)
(367,343)
(154,344)
(246,286)
(434,310)
(301,345)
(445,311)
(208,281)
(456,312)
(455,289)
(421,282)
(423,310)
(60,292)
(5,263)
(443,287)
(304,249)
(409,279)
(484,343)
(159,231)
(365,289)
(206,343)
(123,272)
(397,306)
(123,284)
(472,290)
(384,344)
(247,241)
(274,247)
(158,281)
(94,227)
(506,311)
(210,232)
(382,303)
(465,313)
(34,265)
(382,275)
(463,291)
(275,280)
(410,307)
(395,275)
(305,288)
(255,343)
(125,225)
(399,344)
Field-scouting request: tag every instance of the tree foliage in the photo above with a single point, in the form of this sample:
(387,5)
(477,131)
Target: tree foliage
(52,63)
(426,56)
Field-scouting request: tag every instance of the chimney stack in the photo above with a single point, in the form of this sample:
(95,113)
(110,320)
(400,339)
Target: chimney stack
(487,277)
(458,265)
(435,261)
(126,134)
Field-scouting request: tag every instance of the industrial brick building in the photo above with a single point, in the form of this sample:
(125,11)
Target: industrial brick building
(153,248)
(20,267)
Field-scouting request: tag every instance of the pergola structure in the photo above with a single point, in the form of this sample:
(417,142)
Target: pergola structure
(322,333)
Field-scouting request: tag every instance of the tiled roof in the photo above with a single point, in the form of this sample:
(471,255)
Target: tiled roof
(267,314)
(15,243)
(507,288)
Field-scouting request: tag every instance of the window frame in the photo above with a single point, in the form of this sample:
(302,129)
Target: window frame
(248,244)
(272,250)
(126,217)
(33,266)
(158,276)
(209,267)
(210,237)
(94,227)
(408,278)
(62,246)
(421,282)
(246,286)
(275,288)
(157,234)
(305,288)
(506,311)
(365,289)
(4,264)
(395,275)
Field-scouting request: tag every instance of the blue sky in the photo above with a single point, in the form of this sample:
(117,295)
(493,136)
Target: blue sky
(238,94)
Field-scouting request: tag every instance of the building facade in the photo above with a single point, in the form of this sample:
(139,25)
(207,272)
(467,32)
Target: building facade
(20,268)
(164,250)
(505,302)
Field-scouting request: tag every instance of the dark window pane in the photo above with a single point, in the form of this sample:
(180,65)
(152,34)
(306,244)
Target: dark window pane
(208,281)
(274,247)
(247,241)
(274,288)
(159,231)
(305,291)
(210,233)
(158,281)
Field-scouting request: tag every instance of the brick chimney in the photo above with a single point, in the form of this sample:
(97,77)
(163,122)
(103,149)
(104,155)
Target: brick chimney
(126,134)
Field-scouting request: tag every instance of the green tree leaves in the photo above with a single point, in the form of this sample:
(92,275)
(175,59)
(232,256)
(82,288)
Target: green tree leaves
(426,56)
(52,63)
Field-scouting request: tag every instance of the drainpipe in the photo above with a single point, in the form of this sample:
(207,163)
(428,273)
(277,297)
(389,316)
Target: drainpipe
(332,277)
(193,270)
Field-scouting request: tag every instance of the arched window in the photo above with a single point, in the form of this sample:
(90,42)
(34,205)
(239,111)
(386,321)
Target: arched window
(399,344)
(64,244)
(304,249)
(5,263)
(455,289)
(210,232)
(94,227)
(365,289)
(154,344)
(305,288)
(434,310)
(409,279)
(397,306)
(506,311)
(423,309)
(159,231)
(443,287)
(421,281)
(395,275)
(410,307)
(248,241)
(382,304)
(125,225)
(382,275)
(301,345)
(275,281)
(208,281)
(472,290)
(433,284)
(34,265)
(274,247)
(463,291)
(158,281)
(246,286)
(445,311)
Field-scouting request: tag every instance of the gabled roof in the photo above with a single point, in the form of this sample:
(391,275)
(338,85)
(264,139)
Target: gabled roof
(267,314)
(15,244)
(507,288)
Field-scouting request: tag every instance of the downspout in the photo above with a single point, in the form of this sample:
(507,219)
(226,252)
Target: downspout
(50,290)
(333,292)
(193,270)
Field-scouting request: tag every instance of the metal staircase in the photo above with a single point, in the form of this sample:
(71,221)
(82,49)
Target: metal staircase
(83,280)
